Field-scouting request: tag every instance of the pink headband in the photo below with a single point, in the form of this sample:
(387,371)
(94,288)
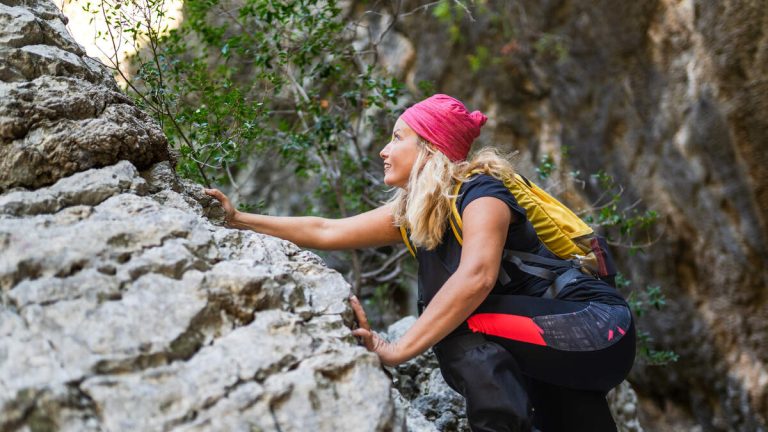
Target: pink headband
(445,122)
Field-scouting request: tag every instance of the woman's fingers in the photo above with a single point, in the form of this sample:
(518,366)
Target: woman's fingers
(215,193)
(364,332)
(225,204)
(367,336)
(387,351)
(359,313)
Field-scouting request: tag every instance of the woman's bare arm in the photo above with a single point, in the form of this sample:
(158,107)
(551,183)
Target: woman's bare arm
(486,221)
(369,229)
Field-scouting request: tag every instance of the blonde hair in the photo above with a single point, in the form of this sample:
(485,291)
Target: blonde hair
(424,206)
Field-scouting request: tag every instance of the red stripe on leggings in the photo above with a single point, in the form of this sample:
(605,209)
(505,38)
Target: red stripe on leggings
(515,327)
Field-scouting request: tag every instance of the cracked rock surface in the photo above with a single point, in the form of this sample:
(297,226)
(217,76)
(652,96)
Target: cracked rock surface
(60,110)
(124,308)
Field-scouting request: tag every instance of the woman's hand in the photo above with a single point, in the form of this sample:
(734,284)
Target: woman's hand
(229,209)
(387,352)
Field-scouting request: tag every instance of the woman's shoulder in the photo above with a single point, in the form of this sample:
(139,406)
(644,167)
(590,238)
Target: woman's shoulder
(485,185)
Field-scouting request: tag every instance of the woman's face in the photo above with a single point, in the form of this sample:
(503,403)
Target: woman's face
(399,155)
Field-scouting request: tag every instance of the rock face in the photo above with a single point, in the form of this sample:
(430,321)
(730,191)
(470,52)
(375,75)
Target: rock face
(669,98)
(122,307)
(60,111)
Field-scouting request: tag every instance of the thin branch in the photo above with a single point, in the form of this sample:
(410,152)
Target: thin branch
(633,205)
(203,163)
(641,245)
(391,275)
(420,8)
(369,201)
(594,205)
(394,257)
(162,109)
(296,84)
(466,9)
(236,187)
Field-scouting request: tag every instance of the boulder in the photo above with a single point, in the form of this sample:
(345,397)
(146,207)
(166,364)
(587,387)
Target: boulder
(132,311)
(124,304)
(60,110)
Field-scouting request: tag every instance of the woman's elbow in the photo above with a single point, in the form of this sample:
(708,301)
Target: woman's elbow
(487,282)
(482,280)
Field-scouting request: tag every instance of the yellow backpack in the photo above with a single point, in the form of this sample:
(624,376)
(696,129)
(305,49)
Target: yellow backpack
(561,231)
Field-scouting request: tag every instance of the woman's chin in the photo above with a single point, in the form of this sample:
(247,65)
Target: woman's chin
(393,183)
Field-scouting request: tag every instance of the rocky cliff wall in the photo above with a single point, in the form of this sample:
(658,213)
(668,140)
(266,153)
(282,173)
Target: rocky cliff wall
(668,97)
(60,110)
(122,307)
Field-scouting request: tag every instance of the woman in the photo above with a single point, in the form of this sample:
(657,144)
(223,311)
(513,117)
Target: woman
(520,359)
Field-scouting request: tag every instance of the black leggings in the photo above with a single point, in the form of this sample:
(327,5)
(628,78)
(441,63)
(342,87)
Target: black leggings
(541,362)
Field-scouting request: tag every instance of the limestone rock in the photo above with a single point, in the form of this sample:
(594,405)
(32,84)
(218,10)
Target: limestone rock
(624,407)
(123,306)
(136,313)
(60,111)
(88,188)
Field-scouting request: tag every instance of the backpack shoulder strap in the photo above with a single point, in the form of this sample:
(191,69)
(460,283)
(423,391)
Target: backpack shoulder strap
(455,218)
(407,241)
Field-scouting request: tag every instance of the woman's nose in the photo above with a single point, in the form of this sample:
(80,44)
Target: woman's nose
(384,153)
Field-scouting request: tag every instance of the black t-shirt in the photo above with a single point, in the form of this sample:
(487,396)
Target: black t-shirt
(436,266)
